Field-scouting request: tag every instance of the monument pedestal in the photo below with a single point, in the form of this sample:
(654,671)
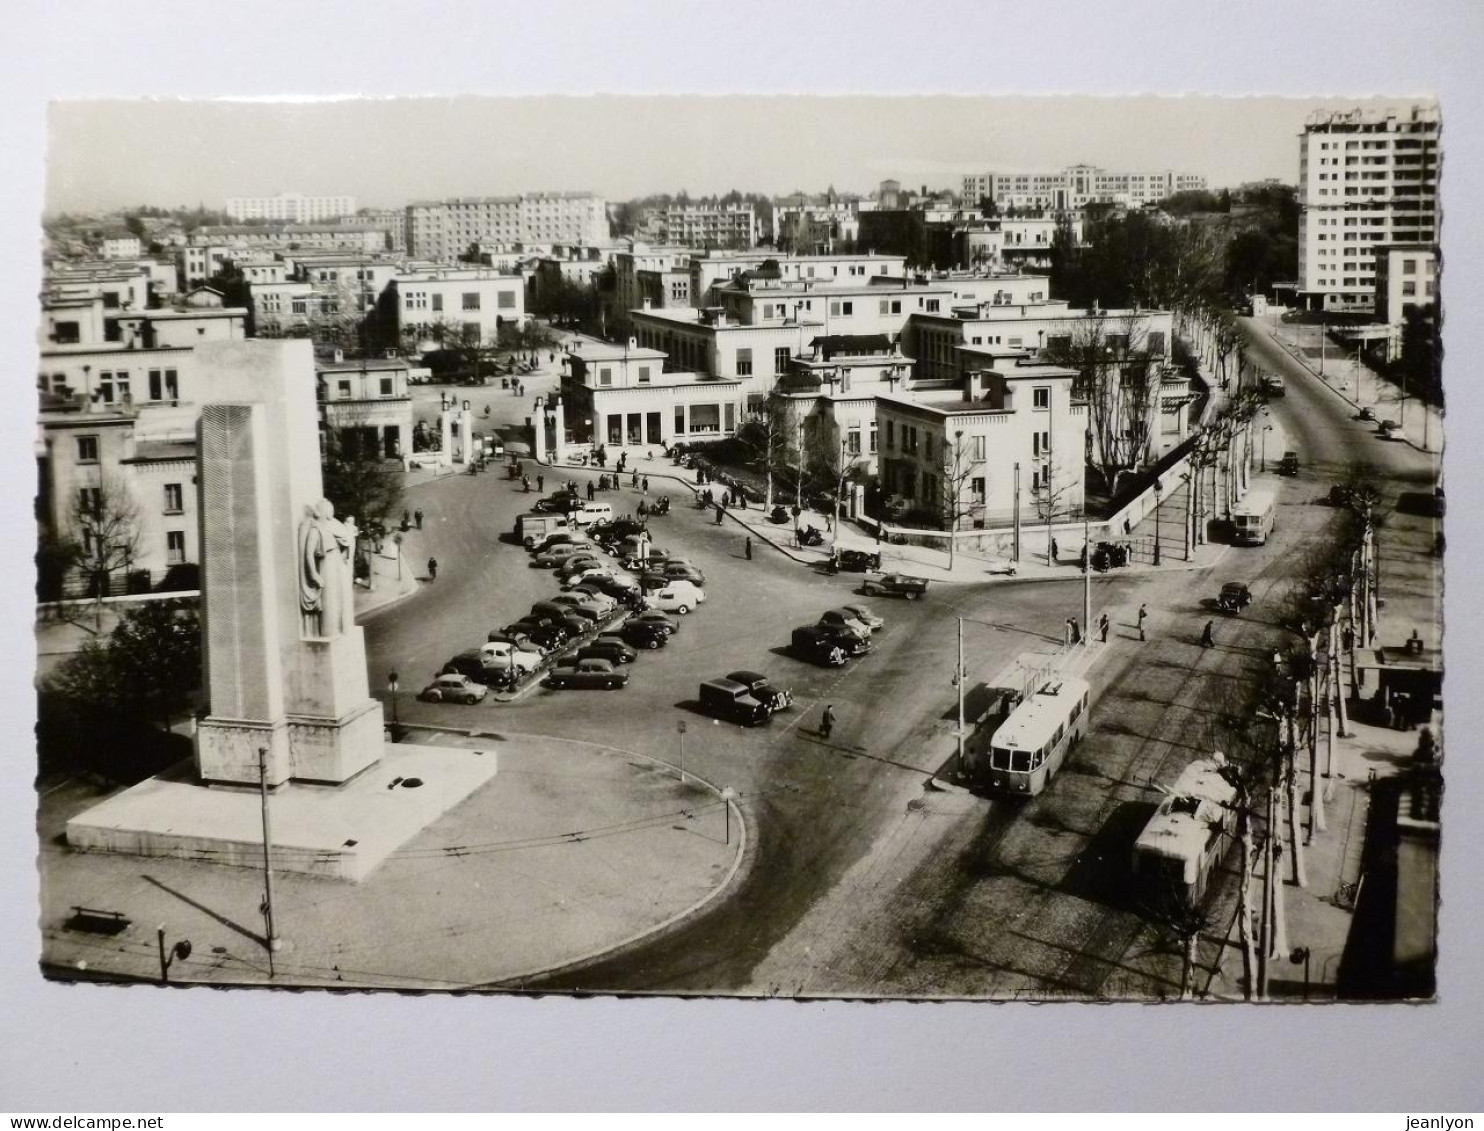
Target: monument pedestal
(229,748)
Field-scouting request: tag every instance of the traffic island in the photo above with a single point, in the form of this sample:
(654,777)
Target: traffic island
(571,851)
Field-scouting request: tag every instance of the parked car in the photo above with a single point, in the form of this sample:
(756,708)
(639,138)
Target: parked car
(585,607)
(855,641)
(616,585)
(763,690)
(845,619)
(497,653)
(519,640)
(654,563)
(587,675)
(818,646)
(584,574)
(733,701)
(685,571)
(1365,414)
(671,601)
(579,563)
(895,585)
(658,618)
(1387,428)
(637,634)
(1289,464)
(453,687)
(560,503)
(864,614)
(564,538)
(554,556)
(551,609)
(855,561)
(543,631)
(469,662)
(575,625)
(1235,596)
(609,648)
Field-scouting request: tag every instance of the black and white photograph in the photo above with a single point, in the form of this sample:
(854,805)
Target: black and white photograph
(991,551)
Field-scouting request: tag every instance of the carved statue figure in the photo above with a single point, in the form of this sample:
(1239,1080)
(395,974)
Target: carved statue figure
(326,573)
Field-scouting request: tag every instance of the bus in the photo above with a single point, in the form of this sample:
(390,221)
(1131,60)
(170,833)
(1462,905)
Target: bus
(1030,746)
(1253,519)
(1188,834)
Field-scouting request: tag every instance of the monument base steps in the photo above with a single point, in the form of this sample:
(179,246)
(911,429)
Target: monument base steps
(230,747)
(339,832)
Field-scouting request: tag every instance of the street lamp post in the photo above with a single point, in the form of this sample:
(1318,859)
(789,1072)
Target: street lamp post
(728,795)
(392,685)
(1158,491)
(182,950)
(680,733)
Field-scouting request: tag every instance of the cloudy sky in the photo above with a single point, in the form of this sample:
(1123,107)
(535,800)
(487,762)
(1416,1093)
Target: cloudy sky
(386,152)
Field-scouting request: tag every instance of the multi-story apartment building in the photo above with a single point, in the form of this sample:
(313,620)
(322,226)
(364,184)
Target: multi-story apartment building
(471,302)
(324,236)
(393,221)
(290,208)
(1076,186)
(1366,180)
(443,230)
(121,245)
(702,226)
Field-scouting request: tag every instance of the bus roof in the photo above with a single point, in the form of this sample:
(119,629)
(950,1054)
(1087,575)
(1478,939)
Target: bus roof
(1195,805)
(1259,500)
(1033,723)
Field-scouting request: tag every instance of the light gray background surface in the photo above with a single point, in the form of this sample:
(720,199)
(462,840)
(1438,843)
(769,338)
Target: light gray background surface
(105,1049)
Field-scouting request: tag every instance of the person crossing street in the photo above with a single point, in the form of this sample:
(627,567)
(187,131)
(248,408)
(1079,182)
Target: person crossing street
(827,720)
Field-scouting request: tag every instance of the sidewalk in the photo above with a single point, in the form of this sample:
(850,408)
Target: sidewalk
(392,579)
(1356,383)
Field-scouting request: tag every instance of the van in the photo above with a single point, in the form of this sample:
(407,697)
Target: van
(531,528)
(727,699)
(593,512)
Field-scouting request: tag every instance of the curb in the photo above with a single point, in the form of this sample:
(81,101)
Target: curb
(1309,369)
(989,579)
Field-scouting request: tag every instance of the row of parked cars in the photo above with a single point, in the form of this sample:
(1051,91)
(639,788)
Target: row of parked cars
(839,634)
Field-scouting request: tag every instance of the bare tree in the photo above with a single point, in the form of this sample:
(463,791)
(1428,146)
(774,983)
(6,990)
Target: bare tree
(105,519)
(956,500)
(1119,380)
(1048,494)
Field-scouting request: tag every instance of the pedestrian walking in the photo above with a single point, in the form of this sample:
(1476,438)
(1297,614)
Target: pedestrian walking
(525,482)
(1103,629)
(406,519)
(541,483)
(1143,616)
(432,569)
(417,517)
(591,491)
(719,514)
(747,547)
(1208,635)
(1142,637)
(1055,551)
(827,720)
(1076,628)
(646,485)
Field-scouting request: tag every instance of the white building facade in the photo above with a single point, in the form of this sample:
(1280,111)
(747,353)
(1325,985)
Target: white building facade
(290,208)
(1366,180)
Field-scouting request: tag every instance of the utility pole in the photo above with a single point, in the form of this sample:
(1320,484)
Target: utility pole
(680,732)
(1015,537)
(960,680)
(273,940)
(1086,575)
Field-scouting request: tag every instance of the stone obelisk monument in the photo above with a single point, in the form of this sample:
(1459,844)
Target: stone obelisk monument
(285,662)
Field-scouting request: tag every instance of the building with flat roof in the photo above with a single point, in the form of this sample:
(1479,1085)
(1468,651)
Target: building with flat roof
(1075,186)
(959,454)
(629,396)
(290,208)
(1406,277)
(701,225)
(443,230)
(366,401)
(473,302)
(1366,180)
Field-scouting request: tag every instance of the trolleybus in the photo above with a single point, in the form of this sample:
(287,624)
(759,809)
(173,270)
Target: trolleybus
(1253,518)
(1189,832)
(1030,746)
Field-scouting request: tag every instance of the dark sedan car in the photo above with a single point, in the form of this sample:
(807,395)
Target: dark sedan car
(587,675)
(656,618)
(604,648)
(638,634)
(765,692)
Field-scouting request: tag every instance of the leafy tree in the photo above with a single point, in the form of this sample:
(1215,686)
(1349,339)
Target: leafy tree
(148,668)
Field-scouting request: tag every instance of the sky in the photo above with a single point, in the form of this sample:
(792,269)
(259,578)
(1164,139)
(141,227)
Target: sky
(387,152)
